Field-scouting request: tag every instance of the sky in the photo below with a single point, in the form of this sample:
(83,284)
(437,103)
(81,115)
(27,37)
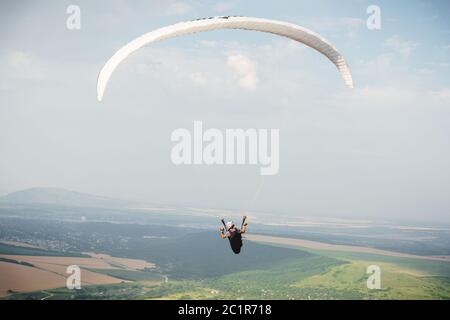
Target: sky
(379,151)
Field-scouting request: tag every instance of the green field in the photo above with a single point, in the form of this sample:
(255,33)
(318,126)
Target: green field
(317,275)
(197,264)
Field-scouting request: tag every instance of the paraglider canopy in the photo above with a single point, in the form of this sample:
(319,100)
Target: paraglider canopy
(280,28)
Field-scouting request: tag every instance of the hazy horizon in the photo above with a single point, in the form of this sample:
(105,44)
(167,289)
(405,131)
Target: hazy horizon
(381,150)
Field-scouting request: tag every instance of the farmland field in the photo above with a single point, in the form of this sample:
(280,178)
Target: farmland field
(156,255)
(22,273)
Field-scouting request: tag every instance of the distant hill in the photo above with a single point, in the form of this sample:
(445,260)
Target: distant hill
(61,197)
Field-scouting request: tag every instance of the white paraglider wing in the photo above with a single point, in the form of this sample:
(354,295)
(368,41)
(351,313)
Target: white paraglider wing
(285,29)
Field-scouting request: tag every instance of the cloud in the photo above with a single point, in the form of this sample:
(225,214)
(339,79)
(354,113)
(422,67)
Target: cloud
(245,70)
(198,78)
(426,71)
(338,23)
(438,64)
(19,59)
(224,6)
(20,65)
(208,43)
(402,47)
(350,27)
(177,9)
(350,22)
(442,96)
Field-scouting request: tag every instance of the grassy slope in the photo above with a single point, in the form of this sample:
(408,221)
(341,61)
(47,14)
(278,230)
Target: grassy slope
(326,275)
(312,275)
(397,282)
(402,278)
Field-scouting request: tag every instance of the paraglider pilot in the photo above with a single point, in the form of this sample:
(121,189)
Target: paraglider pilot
(234,234)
